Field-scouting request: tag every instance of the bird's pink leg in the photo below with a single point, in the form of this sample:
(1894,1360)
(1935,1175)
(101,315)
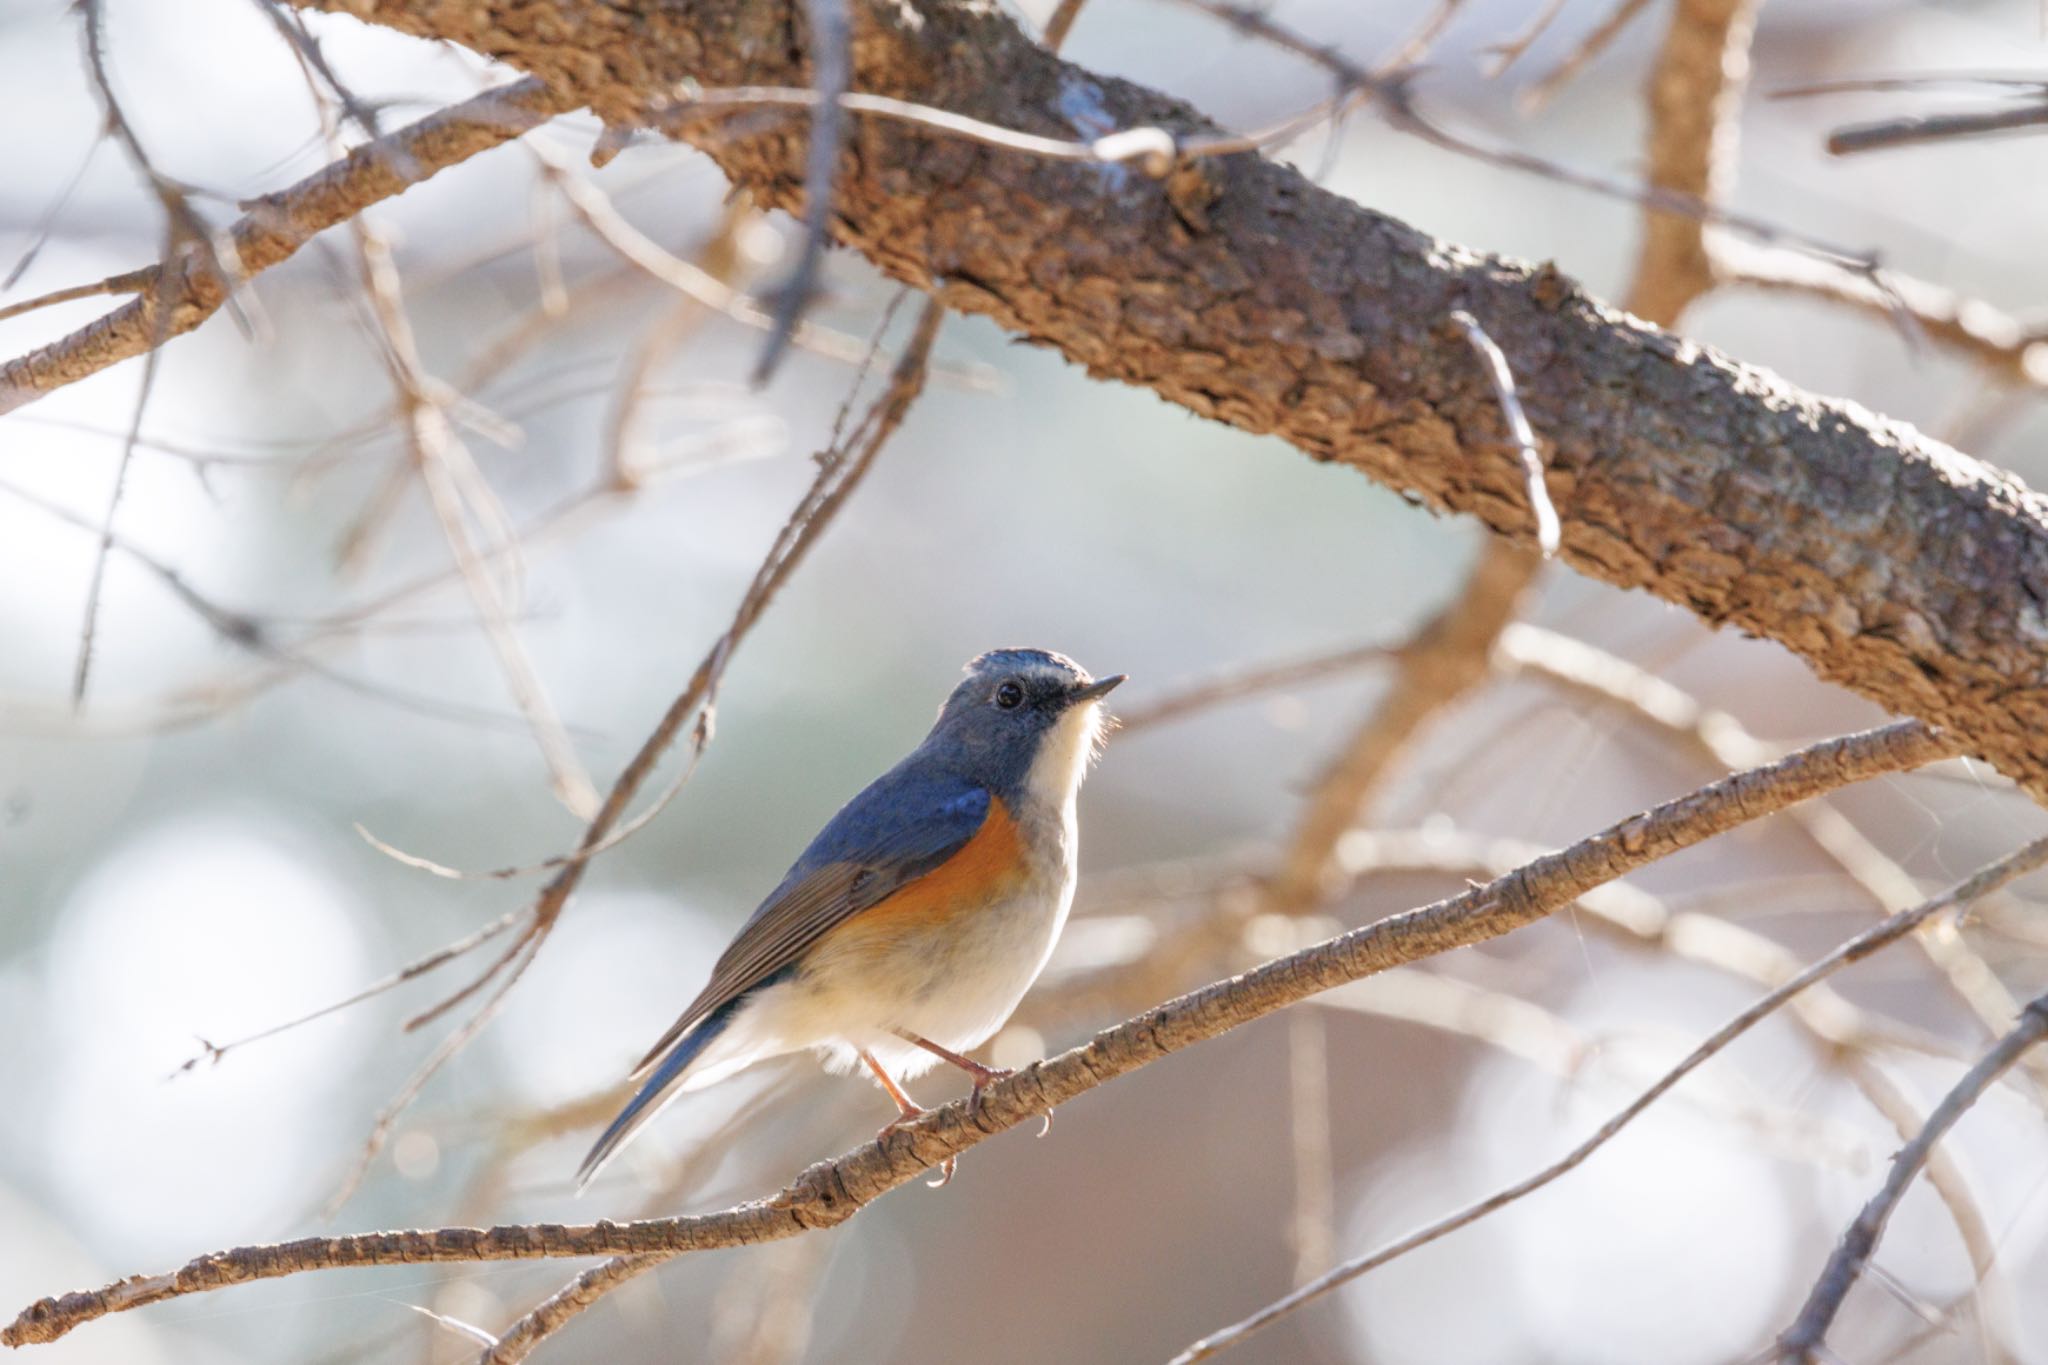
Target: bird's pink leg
(984,1076)
(907,1109)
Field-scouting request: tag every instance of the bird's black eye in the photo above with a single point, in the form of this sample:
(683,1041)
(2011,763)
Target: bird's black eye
(1009,696)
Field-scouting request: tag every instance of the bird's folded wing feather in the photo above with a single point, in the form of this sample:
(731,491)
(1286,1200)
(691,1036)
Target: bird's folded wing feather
(903,826)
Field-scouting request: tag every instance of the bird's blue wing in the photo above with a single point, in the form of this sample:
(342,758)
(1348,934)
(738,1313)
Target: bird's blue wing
(905,824)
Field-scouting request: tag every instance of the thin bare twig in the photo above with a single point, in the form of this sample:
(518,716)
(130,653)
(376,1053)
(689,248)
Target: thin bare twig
(1402,112)
(1919,129)
(1236,684)
(1151,148)
(237,627)
(40,237)
(832,72)
(1517,422)
(312,58)
(1511,50)
(1393,95)
(626,830)
(88,634)
(1988,1290)
(418,967)
(181,227)
(1061,24)
(510,966)
(1974,81)
(688,278)
(1592,45)
(554,1312)
(127,282)
(1424,37)
(1804,1340)
(183,224)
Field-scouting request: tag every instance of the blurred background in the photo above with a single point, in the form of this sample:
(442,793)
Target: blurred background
(179,865)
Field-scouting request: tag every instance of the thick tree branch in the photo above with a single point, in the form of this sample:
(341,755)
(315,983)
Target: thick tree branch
(1237,288)
(274,227)
(830,1192)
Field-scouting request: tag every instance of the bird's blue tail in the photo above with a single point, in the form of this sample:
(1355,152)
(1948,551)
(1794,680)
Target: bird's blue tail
(648,1102)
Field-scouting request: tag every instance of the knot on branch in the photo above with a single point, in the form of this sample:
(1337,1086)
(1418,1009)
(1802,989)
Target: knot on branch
(819,1198)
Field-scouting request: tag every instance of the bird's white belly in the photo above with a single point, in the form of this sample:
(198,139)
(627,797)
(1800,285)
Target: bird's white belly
(954,981)
(959,993)
(954,984)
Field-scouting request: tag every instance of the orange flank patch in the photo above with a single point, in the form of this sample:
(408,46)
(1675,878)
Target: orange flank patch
(987,866)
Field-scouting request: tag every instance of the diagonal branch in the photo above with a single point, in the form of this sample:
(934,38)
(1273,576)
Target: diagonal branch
(1804,1340)
(194,287)
(831,1192)
(831,34)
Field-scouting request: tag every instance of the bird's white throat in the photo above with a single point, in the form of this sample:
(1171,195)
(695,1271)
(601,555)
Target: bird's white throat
(1064,755)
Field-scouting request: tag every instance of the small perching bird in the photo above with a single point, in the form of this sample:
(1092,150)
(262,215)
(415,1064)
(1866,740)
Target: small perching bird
(910,928)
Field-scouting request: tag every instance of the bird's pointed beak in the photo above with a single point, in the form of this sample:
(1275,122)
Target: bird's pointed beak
(1096,690)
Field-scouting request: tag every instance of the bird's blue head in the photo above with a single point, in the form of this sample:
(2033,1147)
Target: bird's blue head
(1025,723)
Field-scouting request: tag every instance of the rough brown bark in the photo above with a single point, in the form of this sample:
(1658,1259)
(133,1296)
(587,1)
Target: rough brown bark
(1240,290)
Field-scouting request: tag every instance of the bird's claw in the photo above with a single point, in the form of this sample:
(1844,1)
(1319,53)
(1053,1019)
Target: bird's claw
(984,1077)
(907,1117)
